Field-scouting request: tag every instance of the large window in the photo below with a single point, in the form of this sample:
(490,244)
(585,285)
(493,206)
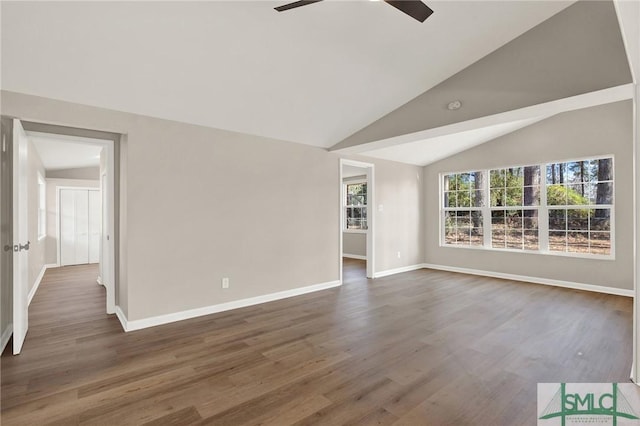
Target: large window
(356,206)
(515,202)
(42,207)
(580,200)
(556,208)
(463,202)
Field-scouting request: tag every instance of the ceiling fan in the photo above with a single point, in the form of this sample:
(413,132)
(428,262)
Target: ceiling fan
(414,8)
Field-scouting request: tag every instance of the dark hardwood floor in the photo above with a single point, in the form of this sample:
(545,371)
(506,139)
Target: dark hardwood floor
(419,348)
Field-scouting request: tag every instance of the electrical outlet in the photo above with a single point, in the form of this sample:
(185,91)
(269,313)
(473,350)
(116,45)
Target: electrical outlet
(398,255)
(225,282)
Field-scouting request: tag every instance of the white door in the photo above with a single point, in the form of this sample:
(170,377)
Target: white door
(79,226)
(20,237)
(95,226)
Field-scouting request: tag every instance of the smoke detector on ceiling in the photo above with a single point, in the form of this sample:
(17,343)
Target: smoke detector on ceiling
(454,105)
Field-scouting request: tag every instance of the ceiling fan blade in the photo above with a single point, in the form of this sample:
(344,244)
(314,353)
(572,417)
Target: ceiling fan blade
(295,4)
(414,8)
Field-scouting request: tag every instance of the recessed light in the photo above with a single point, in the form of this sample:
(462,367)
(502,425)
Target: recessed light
(454,105)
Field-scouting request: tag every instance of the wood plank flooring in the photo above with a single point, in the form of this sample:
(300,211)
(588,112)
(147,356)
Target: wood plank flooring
(419,348)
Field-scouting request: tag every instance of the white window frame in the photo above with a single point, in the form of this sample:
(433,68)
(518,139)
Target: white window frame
(444,210)
(42,207)
(345,206)
(543,212)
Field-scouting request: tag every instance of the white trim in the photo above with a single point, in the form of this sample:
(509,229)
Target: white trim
(38,280)
(99,280)
(6,335)
(123,318)
(534,280)
(371,214)
(354,256)
(399,270)
(544,110)
(354,231)
(212,309)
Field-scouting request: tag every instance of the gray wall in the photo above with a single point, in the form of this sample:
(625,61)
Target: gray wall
(576,51)
(199,204)
(75,173)
(52,240)
(589,132)
(354,243)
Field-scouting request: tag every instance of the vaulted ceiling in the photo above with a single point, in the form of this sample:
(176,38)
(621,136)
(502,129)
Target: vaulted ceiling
(313,75)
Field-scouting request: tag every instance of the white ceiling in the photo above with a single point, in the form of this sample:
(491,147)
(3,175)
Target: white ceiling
(66,152)
(430,150)
(311,75)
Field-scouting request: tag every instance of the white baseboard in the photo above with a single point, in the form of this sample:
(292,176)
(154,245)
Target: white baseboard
(39,280)
(398,270)
(123,318)
(535,280)
(99,280)
(6,335)
(129,325)
(354,256)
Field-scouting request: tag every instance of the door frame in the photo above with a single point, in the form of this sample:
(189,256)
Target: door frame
(110,144)
(371,213)
(58,190)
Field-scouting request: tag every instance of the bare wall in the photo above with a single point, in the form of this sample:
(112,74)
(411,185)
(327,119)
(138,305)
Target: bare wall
(354,243)
(199,204)
(589,132)
(91,173)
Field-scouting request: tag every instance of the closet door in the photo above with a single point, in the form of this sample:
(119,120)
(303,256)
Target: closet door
(95,226)
(74,227)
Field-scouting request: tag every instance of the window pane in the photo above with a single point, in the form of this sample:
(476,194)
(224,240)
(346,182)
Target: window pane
(464,199)
(497,198)
(603,169)
(576,194)
(600,243)
(556,195)
(557,219)
(600,220)
(531,195)
(450,199)
(514,239)
(578,242)
(578,219)
(514,177)
(513,219)
(477,230)
(557,241)
(604,193)
(477,198)
(449,228)
(556,173)
(497,238)
(514,196)
(530,220)
(531,240)
(497,178)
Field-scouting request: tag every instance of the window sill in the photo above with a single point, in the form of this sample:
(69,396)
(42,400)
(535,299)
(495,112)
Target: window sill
(355,231)
(534,252)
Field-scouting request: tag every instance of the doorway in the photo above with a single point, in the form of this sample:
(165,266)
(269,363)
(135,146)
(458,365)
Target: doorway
(68,179)
(357,219)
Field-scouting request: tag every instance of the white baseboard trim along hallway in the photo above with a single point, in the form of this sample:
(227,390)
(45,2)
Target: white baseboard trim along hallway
(355,256)
(39,280)
(6,335)
(534,280)
(207,310)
